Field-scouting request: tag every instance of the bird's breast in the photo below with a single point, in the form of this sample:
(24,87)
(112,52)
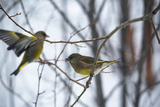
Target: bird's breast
(34,52)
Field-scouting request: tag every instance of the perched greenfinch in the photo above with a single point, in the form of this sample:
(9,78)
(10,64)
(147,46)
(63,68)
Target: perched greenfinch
(19,43)
(83,64)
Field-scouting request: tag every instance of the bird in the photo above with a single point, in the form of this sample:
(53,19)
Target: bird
(83,64)
(19,43)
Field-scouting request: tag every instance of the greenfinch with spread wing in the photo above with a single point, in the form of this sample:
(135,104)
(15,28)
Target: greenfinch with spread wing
(19,43)
(83,64)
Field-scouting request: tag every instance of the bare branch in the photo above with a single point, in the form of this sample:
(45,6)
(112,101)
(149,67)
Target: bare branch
(82,78)
(39,80)
(79,97)
(100,10)
(16,14)
(151,21)
(148,16)
(10,8)
(70,39)
(14,93)
(123,25)
(25,14)
(14,21)
(66,19)
(147,88)
(114,88)
(49,63)
(65,83)
(82,5)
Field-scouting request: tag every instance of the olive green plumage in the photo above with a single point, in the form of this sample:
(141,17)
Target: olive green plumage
(83,64)
(19,43)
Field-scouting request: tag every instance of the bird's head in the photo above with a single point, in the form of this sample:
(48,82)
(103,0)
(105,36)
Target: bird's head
(73,58)
(41,34)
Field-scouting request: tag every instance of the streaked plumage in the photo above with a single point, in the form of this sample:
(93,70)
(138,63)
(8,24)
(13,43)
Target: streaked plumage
(83,64)
(19,43)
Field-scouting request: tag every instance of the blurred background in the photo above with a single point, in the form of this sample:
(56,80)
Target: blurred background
(134,82)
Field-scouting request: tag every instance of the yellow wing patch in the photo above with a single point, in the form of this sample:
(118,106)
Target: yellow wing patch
(100,61)
(12,34)
(33,37)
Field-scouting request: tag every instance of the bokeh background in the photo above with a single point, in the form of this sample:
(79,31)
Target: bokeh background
(134,82)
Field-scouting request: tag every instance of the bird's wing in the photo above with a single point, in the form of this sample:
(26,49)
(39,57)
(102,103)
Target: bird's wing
(21,45)
(90,60)
(87,60)
(10,37)
(87,65)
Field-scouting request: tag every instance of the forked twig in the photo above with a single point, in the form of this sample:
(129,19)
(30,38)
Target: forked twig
(74,33)
(16,14)
(50,63)
(14,21)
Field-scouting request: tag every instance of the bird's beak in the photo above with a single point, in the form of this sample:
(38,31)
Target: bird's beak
(47,36)
(67,59)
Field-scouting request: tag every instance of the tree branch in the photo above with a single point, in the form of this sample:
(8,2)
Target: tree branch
(10,8)
(14,93)
(14,21)
(25,14)
(39,81)
(148,16)
(152,24)
(66,19)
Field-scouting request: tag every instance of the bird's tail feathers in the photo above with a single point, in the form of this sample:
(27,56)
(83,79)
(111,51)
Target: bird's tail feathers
(15,72)
(19,68)
(112,62)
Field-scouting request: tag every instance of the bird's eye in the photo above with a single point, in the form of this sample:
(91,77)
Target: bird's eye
(44,34)
(71,57)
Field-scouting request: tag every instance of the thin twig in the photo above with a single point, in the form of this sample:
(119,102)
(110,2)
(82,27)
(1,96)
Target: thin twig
(114,88)
(106,72)
(100,9)
(152,24)
(69,76)
(63,50)
(84,28)
(14,93)
(147,88)
(64,81)
(16,14)
(148,16)
(25,14)
(65,18)
(50,63)
(80,46)
(79,97)
(55,83)
(73,34)
(9,9)
(83,6)
(123,25)
(130,72)
(82,78)
(14,21)
(39,80)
